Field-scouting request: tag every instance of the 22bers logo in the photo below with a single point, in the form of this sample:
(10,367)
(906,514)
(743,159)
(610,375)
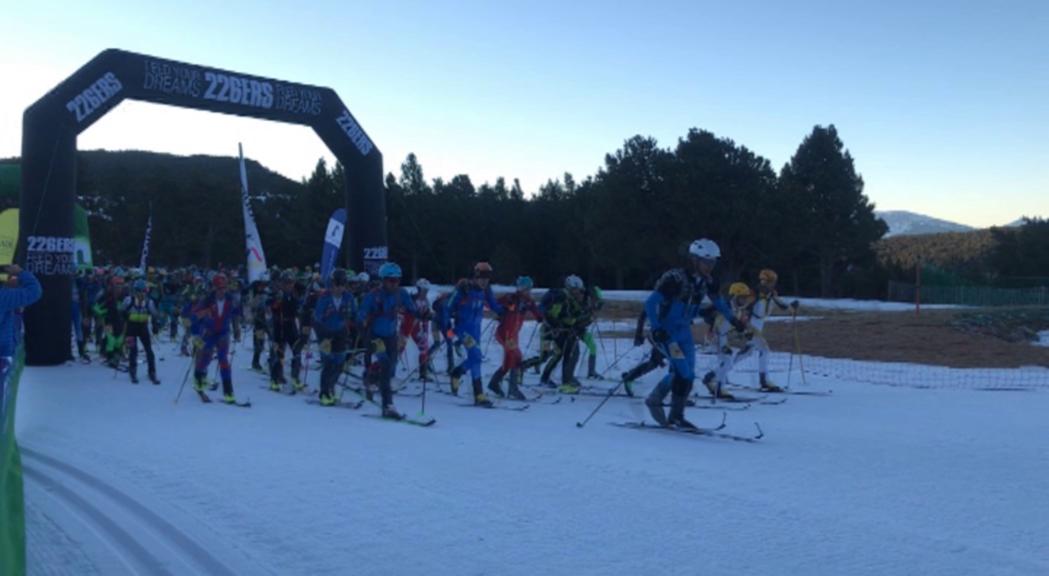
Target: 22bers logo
(50,255)
(97,94)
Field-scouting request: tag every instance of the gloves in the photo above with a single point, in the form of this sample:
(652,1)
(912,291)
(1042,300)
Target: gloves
(260,334)
(325,346)
(739,325)
(660,336)
(185,322)
(198,343)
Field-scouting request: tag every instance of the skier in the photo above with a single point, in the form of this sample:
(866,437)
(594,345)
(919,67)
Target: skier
(419,329)
(333,314)
(670,307)
(565,317)
(307,291)
(758,310)
(108,310)
(138,309)
(466,308)
(78,322)
(443,322)
(283,309)
(516,305)
(593,302)
(740,300)
(22,290)
(215,313)
(259,321)
(378,317)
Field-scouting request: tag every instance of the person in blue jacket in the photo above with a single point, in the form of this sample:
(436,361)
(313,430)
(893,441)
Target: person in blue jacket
(466,308)
(333,315)
(25,291)
(378,317)
(214,314)
(677,298)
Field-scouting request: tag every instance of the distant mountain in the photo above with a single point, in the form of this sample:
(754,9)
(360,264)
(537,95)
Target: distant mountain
(903,223)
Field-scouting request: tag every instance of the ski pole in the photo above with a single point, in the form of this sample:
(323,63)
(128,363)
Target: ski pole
(797,347)
(192,362)
(611,393)
(790,362)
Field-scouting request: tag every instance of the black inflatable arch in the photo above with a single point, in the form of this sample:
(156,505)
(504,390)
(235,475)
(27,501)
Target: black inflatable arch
(49,133)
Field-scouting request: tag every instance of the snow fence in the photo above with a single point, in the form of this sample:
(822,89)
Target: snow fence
(12,504)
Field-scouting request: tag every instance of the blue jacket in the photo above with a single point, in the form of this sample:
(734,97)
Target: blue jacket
(379,311)
(11,299)
(678,298)
(329,320)
(466,306)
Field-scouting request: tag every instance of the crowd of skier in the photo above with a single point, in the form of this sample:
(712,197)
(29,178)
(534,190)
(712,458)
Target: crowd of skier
(360,324)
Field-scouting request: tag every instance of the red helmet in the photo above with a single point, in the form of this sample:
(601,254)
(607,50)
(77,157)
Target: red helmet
(219,280)
(116,280)
(483,270)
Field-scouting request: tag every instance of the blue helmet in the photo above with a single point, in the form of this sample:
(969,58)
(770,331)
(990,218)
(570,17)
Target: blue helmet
(389,270)
(524,283)
(139,285)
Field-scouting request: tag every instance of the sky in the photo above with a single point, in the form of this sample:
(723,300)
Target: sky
(943,105)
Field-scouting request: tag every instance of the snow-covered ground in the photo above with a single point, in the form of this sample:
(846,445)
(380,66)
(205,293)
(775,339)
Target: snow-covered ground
(870,480)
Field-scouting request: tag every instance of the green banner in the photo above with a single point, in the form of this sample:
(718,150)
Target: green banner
(10,182)
(12,503)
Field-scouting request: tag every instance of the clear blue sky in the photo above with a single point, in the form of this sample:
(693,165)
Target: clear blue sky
(944,105)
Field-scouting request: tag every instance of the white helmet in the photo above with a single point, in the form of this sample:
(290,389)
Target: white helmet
(363,277)
(703,248)
(574,281)
(422,284)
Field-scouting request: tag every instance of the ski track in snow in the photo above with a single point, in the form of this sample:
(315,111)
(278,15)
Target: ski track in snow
(871,480)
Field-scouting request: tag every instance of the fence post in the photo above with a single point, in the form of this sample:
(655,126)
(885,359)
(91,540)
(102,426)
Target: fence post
(918,288)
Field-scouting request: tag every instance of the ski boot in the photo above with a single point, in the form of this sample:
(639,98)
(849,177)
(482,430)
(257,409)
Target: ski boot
(715,389)
(591,369)
(515,389)
(570,387)
(479,398)
(391,413)
(495,384)
(134,378)
(767,385)
(327,400)
(274,386)
(199,384)
(153,378)
(297,385)
(677,414)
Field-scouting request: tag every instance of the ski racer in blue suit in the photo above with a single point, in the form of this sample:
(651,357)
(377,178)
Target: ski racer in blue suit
(466,307)
(334,314)
(378,315)
(677,298)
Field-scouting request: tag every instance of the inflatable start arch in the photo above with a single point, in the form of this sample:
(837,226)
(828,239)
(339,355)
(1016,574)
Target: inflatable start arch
(49,133)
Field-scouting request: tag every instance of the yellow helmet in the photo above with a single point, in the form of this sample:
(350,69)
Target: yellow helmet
(768,277)
(738,289)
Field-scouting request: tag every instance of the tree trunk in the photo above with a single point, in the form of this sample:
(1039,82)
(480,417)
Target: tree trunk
(826,276)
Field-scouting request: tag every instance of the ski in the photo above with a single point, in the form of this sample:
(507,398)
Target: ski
(711,432)
(515,408)
(238,404)
(723,406)
(347,405)
(422,422)
(787,391)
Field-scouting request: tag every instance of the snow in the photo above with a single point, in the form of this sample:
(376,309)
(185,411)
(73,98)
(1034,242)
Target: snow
(870,480)
(1043,339)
